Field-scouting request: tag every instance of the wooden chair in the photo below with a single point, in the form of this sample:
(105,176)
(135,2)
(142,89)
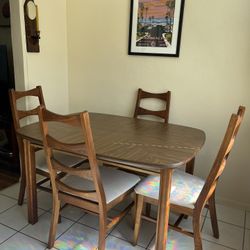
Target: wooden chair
(190,194)
(96,189)
(140,111)
(41,165)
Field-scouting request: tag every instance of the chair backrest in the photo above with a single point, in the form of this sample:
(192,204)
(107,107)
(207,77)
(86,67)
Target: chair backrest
(85,148)
(221,159)
(17,114)
(164,114)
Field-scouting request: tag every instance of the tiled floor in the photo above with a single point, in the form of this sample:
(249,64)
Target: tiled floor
(79,230)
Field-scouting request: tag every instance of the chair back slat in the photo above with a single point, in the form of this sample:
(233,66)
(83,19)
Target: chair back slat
(17,114)
(75,148)
(85,148)
(159,113)
(222,156)
(22,114)
(164,114)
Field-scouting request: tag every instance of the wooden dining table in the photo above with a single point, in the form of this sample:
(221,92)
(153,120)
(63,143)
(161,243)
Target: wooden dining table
(138,145)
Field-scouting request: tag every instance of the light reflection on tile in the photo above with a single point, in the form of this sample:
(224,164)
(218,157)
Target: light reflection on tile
(176,241)
(78,237)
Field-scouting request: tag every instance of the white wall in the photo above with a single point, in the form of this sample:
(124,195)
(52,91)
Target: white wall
(208,81)
(48,68)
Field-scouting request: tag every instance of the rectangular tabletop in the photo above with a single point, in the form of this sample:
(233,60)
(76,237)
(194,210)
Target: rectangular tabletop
(139,143)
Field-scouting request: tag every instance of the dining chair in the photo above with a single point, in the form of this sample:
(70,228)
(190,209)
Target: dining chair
(92,187)
(189,193)
(20,113)
(142,111)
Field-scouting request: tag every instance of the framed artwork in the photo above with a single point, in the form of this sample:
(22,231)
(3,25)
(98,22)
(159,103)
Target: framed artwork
(155,27)
(4,13)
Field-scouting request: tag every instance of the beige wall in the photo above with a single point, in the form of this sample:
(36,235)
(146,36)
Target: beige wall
(208,81)
(48,68)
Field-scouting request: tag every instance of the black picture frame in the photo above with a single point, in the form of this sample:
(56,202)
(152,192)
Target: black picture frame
(155,27)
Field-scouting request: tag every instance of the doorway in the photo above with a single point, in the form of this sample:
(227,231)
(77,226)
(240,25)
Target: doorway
(9,156)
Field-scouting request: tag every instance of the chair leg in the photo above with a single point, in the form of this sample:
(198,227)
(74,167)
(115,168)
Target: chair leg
(54,221)
(138,214)
(213,215)
(102,230)
(197,232)
(22,189)
(23,176)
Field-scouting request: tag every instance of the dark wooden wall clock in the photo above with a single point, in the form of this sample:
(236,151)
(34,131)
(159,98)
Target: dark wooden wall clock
(4,13)
(31,19)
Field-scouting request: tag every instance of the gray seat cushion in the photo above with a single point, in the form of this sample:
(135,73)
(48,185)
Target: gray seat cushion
(185,188)
(66,159)
(115,182)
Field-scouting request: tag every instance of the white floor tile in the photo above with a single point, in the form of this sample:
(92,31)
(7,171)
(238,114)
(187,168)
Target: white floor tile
(93,220)
(124,230)
(11,191)
(44,200)
(247,240)
(6,203)
(213,246)
(22,242)
(78,237)
(5,233)
(230,235)
(113,243)
(72,213)
(16,217)
(90,220)
(40,230)
(230,215)
(248,220)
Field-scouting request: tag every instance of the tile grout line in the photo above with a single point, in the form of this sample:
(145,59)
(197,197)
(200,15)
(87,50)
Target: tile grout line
(219,244)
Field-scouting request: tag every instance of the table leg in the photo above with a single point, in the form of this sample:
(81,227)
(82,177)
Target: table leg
(190,166)
(163,209)
(29,156)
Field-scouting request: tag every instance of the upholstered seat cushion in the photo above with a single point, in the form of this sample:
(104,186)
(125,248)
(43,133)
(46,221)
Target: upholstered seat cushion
(115,182)
(66,159)
(185,188)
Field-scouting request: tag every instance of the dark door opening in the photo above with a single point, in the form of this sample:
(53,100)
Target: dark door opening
(9,156)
